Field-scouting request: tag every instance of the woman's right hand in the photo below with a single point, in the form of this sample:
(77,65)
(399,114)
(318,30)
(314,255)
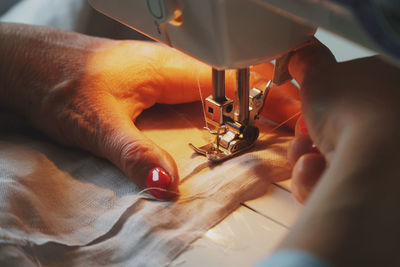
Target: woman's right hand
(352,188)
(357,99)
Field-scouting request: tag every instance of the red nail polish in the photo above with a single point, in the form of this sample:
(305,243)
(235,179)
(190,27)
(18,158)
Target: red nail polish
(303,126)
(314,149)
(158,178)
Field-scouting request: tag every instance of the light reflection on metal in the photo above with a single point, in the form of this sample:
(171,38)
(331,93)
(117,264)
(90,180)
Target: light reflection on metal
(234,121)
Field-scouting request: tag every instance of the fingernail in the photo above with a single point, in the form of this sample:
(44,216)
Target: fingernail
(303,126)
(158,178)
(314,149)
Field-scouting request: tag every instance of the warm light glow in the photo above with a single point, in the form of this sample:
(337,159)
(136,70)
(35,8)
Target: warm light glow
(178,18)
(139,74)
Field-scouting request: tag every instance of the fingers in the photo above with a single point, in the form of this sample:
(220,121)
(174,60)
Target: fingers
(308,63)
(181,77)
(308,163)
(164,75)
(148,165)
(182,86)
(299,146)
(308,66)
(140,159)
(306,173)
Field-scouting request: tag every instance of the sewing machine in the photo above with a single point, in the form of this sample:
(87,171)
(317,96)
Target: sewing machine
(235,34)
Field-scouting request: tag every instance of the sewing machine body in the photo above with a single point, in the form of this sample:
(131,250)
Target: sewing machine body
(228,34)
(225,34)
(234,34)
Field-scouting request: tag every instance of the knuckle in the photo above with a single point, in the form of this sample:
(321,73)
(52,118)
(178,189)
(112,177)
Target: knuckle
(135,155)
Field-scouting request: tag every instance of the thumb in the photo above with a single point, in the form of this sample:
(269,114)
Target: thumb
(309,62)
(148,165)
(313,67)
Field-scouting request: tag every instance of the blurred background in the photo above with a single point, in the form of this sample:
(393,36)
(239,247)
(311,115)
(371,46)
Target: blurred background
(72,15)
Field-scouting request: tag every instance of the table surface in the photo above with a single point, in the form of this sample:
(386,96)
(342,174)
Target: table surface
(255,229)
(248,234)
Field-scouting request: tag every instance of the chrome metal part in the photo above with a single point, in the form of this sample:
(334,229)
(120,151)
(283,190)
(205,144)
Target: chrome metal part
(220,155)
(220,131)
(234,131)
(218,85)
(242,95)
(257,101)
(217,112)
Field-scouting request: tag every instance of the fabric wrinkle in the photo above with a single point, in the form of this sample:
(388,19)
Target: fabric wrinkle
(81,210)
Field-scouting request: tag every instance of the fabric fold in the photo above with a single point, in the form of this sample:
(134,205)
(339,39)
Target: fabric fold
(64,207)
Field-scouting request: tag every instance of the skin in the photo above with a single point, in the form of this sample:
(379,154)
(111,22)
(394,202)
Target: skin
(87,92)
(352,189)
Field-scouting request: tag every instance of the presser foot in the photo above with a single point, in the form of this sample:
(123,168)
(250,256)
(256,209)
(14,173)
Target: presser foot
(228,145)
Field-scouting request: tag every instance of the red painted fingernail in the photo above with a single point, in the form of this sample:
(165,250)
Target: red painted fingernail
(303,126)
(314,149)
(158,178)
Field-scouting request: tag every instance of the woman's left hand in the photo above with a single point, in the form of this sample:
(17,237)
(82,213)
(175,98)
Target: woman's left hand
(87,92)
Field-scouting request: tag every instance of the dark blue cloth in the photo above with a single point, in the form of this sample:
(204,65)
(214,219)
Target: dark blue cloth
(6,5)
(292,258)
(381,20)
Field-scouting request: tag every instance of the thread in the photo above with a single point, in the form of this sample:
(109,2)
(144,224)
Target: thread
(281,124)
(143,194)
(205,118)
(202,100)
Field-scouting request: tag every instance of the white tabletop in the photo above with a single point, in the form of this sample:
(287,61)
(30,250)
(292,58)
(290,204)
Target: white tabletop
(245,236)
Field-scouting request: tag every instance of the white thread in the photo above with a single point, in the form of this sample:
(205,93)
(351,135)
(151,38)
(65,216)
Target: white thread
(202,100)
(141,195)
(201,194)
(283,123)
(204,111)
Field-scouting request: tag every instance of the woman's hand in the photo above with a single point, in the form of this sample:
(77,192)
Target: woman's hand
(87,92)
(352,188)
(360,96)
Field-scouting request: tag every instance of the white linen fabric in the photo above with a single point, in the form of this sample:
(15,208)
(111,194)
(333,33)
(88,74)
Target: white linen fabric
(64,207)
